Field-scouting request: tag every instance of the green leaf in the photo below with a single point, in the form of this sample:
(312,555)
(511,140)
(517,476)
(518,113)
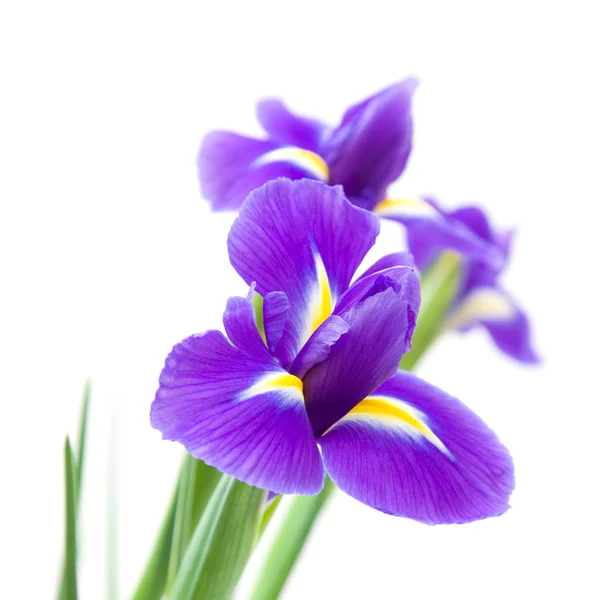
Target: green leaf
(194,560)
(268,514)
(154,580)
(69,584)
(233,541)
(82,438)
(289,542)
(197,482)
(439,286)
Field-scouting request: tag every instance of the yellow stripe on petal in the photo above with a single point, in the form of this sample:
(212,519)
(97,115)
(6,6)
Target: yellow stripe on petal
(398,413)
(273,382)
(481,304)
(305,160)
(322,306)
(405,207)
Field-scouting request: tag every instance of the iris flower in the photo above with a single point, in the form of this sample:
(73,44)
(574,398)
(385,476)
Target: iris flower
(366,152)
(481,299)
(320,391)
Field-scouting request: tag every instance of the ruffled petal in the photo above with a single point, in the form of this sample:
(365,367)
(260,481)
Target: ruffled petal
(230,166)
(238,410)
(412,450)
(363,358)
(288,129)
(371,146)
(305,239)
(499,314)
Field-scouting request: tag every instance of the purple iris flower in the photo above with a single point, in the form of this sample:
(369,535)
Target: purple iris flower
(481,299)
(320,391)
(366,152)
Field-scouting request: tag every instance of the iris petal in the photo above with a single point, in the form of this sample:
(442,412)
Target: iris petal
(286,128)
(230,166)
(414,451)
(371,146)
(305,239)
(236,409)
(508,325)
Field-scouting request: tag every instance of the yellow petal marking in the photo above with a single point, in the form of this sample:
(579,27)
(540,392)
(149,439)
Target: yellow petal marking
(306,160)
(400,413)
(322,304)
(276,382)
(406,207)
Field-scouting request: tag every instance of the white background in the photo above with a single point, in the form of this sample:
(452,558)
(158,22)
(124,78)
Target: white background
(109,256)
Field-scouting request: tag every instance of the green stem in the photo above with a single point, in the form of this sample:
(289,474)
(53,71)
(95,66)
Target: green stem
(439,285)
(289,542)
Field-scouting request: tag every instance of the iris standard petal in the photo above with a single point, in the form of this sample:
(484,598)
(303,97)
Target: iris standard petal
(230,166)
(239,412)
(493,308)
(364,357)
(288,129)
(412,450)
(371,146)
(305,239)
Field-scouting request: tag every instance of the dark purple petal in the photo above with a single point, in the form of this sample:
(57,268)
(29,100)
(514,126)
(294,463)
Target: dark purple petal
(319,345)
(238,412)
(287,129)
(230,166)
(359,361)
(305,239)
(371,146)
(414,451)
(276,309)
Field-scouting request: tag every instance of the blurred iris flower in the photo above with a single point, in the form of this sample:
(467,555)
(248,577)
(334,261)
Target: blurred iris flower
(364,154)
(484,253)
(315,387)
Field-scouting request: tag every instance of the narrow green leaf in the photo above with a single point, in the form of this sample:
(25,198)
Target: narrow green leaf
(183,518)
(112,512)
(206,479)
(69,585)
(194,560)
(82,438)
(197,482)
(268,514)
(439,286)
(154,580)
(289,543)
(233,541)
